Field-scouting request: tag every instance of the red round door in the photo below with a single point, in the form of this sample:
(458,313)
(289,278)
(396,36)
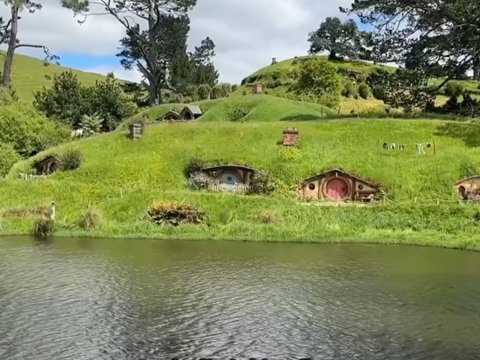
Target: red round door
(336,189)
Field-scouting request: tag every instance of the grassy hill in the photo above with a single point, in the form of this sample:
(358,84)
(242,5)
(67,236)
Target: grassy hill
(280,76)
(30,75)
(120,178)
(258,108)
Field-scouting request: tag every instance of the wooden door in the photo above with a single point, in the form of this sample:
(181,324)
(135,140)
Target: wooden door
(336,189)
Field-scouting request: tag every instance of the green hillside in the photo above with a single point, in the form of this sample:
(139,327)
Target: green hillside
(30,75)
(120,178)
(280,76)
(258,108)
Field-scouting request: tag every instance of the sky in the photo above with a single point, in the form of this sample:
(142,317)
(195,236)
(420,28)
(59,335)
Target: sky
(247,34)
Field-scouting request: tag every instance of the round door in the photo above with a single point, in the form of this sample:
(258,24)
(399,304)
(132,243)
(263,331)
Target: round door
(229,180)
(336,189)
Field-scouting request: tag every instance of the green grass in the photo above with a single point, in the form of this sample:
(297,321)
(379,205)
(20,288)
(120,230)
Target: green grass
(260,108)
(281,74)
(119,178)
(30,75)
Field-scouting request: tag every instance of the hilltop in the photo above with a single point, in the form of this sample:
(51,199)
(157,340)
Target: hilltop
(30,75)
(120,178)
(280,76)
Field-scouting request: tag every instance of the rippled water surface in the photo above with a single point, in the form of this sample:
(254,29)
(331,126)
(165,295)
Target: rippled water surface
(141,299)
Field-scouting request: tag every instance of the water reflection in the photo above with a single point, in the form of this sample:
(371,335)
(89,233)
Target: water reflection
(141,299)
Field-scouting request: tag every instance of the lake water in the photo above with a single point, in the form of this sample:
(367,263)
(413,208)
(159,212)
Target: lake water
(143,299)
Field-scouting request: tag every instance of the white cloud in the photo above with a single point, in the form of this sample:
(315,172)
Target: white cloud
(248,33)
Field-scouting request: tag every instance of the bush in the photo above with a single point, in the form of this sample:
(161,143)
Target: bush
(216,92)
(8,157)
(68,101)
(364,91)
(91,125)
(7,96)
(269,218)
(235,112)
(90,219)
(28,131)
(454,89)
(203,91)
(43,227)
(71,160)
(235,87)
(349,90)
(174,214)
(199,181)
(262,183)
(194,166)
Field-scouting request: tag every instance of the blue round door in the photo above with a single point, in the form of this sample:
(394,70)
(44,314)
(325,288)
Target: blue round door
(229,180)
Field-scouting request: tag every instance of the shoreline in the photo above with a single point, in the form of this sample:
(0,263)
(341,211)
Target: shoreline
(395,239)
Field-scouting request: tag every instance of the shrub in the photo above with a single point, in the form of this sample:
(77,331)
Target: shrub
(67,100)
(203,91)
(199,181)
(194,166)
(7,96)
(174,214)
(216,92)
(262,183)
(90,219)
(364,91)
(454,89)
(175,99)
(269,218)
(235,87)
(349,89)
(91,125)
(8,157)
(28,131)
(43,227)
(235,112)
(71,160)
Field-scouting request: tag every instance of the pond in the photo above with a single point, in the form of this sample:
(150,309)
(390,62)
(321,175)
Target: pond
(146,299)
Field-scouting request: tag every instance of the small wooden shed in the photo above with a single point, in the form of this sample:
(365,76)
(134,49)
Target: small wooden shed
(338,185)
(172,115)
(48,165)
(191,112)
(235,178)
(469,189)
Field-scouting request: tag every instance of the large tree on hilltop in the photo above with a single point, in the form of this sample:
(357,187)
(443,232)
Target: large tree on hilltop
(341,40)
(434,37)
(156,33)
(9,36)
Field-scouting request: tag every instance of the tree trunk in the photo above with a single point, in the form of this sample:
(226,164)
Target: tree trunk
(12,44)
(154,97)
(476,69)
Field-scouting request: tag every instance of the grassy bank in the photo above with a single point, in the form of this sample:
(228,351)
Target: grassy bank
(119,178)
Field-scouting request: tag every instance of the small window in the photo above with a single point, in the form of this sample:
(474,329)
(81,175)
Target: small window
(361,186)
(311,186)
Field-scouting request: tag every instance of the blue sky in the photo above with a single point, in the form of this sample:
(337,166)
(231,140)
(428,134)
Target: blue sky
(248,33)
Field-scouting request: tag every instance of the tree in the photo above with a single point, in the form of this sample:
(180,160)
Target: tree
(437,36)
(340,40)
(68,101)
(402,89)
(9,36)
(155,31)
(319,78)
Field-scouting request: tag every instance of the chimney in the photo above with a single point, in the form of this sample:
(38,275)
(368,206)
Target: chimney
(274,61)
(290,137)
